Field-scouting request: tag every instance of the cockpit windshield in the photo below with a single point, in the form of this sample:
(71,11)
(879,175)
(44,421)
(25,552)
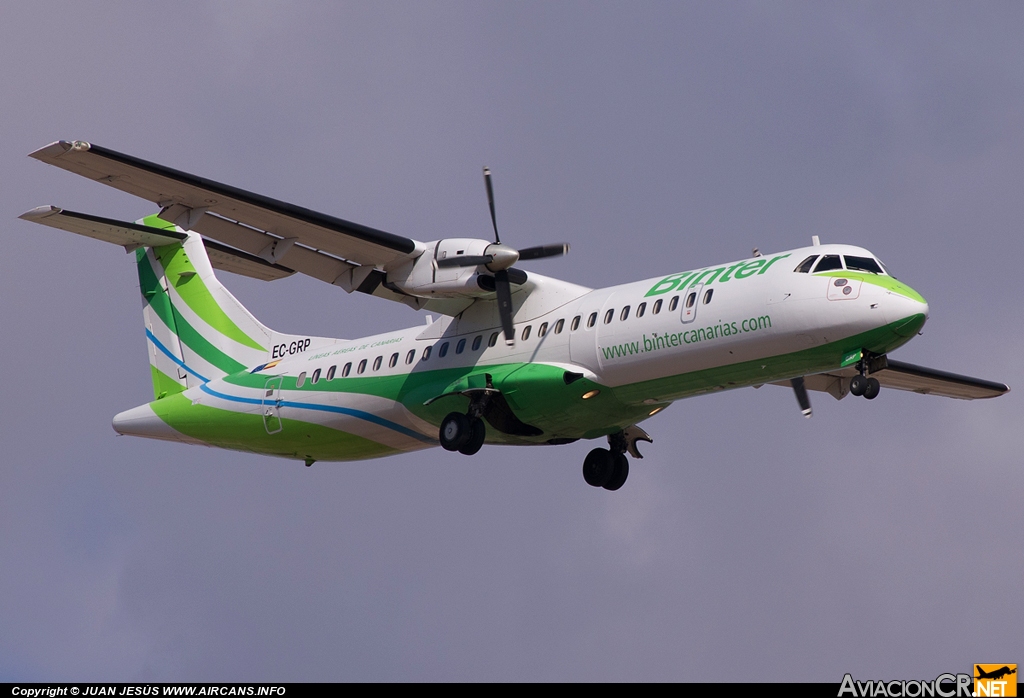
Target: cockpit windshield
(828,263)
(835,262)
(863,264)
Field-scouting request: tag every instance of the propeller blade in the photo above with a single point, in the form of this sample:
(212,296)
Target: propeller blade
(801,396)
(490,202)
(542,251)
(501,287)
(464,260)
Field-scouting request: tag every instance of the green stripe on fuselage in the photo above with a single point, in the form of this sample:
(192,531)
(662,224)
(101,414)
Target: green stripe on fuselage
(245,431)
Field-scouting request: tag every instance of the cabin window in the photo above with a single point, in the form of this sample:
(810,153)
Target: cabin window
(862,264)
(477,341)
(394,360)
(592,320)
(625,314)
(330,373)
(377,362)
(828,263)
(526,333)
(542,330)
(426,353)
(575,324)
(690,299)
(559,325)
(315,378)
(410,356)
(493,340)
(362,367)
(301,380)
(805,266)
(673,304)
(461,346)
(707,295)
(609,315)
(347,370)
(640,309)
(443,350)
(657,307)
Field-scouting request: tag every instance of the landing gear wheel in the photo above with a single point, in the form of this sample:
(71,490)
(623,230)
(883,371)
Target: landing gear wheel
(619,474)
(872,389)
(455,431)
(858,384)
(598,467)
(477,434)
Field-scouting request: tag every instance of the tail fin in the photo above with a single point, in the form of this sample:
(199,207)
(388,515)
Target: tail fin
(197,330)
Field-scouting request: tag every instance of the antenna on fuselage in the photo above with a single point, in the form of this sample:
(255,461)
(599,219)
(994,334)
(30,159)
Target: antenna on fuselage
(815,241)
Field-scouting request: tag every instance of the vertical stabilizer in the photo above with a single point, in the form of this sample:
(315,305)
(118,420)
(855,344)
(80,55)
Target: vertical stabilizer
(196,329)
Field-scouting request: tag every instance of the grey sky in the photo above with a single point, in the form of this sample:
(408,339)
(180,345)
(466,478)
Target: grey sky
(880,538)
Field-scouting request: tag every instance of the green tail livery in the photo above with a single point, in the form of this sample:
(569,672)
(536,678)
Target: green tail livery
(513,357)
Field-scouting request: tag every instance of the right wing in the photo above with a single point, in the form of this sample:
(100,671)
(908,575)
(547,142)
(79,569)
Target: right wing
(929,381)
(903,376)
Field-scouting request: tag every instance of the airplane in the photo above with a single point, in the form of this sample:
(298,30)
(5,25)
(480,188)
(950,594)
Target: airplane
(513,357)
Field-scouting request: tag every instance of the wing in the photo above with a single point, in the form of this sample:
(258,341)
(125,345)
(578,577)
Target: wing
(928,381)
(133,235)
(350,255)
(903,376)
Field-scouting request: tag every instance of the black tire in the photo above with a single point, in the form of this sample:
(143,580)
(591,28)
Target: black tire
(619,474)
(857,385)
(872,389)
(598,467)
(454,432)
(477,434)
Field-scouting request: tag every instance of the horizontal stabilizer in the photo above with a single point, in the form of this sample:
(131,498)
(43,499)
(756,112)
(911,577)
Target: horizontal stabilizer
(116,232)
(132,235)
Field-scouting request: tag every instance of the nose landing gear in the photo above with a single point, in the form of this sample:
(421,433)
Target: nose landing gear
(863,385)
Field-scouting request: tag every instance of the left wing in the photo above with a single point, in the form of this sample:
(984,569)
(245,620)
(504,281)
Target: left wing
(339,252)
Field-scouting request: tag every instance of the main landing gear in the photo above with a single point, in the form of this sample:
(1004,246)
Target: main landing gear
(608,467)
(603,468)
(462,433)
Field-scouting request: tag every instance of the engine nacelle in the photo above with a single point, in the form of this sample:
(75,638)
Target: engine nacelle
(423,278)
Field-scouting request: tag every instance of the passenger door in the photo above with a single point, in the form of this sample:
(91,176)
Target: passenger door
(271,406)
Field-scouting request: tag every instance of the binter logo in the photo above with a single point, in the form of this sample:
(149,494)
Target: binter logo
(740,270)
(995,680)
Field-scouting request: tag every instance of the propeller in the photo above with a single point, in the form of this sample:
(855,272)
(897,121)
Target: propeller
(499,259)
(801,396)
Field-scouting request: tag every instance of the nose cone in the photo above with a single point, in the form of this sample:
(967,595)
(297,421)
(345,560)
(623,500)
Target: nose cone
(143,421)
(905,309)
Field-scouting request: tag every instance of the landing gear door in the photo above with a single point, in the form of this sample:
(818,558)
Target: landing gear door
(690,298)
(271,406)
